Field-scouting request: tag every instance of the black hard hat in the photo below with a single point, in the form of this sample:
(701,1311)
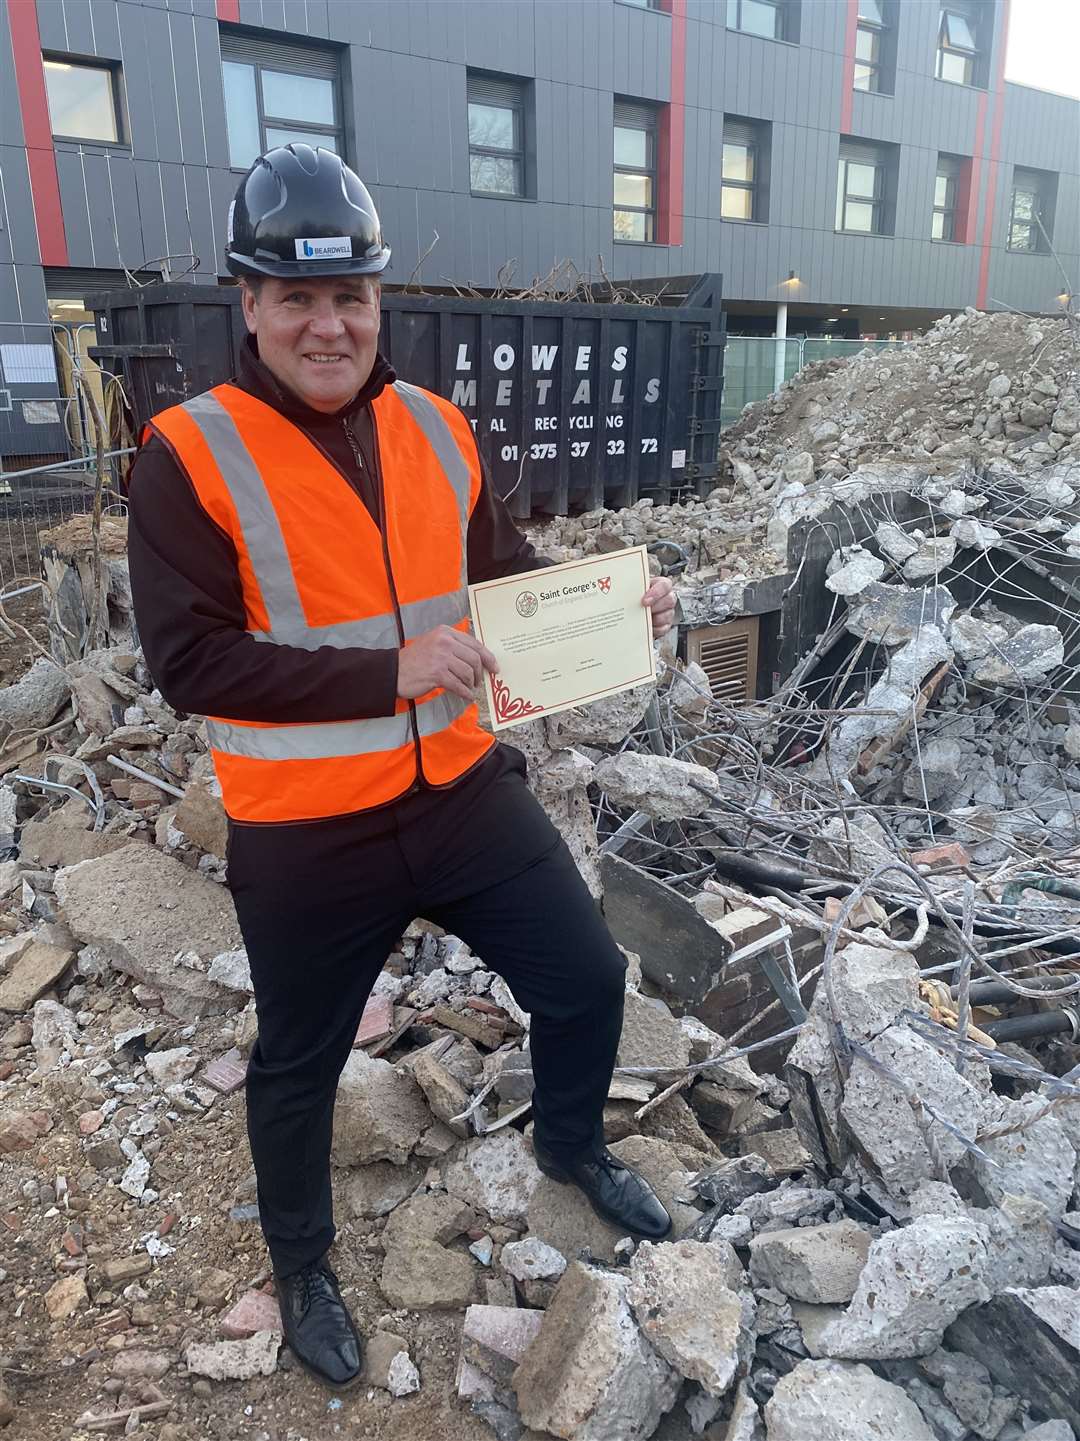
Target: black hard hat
(300,211)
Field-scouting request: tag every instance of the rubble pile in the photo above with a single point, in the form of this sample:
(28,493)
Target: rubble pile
(876,1229)
(974,388)
(837,1255)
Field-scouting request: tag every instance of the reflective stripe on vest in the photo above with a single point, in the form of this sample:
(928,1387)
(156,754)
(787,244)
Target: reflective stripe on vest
(331,739)
(269,555)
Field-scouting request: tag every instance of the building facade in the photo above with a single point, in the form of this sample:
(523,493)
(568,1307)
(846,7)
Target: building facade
(862,161)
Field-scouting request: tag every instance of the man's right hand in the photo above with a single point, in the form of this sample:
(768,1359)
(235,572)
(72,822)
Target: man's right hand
(444,657)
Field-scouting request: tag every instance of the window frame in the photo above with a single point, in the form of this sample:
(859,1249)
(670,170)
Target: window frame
(650,171)
(972,56)
(948,169)
(877,30)
(751,136)
(518,108)
(114,70)
(1034,225)
(779,9)
(289,63)
(876,200)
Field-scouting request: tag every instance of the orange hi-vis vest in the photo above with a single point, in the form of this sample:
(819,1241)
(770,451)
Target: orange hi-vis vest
(316,570)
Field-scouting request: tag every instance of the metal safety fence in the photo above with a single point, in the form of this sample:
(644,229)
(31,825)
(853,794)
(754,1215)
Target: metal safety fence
(754,365)
(51,396)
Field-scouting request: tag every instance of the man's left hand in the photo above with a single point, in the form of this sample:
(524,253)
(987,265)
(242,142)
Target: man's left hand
(660,599)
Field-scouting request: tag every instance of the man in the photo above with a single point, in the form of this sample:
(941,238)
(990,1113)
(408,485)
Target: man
(300,540)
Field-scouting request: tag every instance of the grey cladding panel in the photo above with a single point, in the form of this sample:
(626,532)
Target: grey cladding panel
(20,234)
(11,131)
(52,31)
(79,26)
(73,202)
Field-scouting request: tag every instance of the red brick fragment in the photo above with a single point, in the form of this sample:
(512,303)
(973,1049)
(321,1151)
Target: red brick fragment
(952,854)
(255,1311)
(20,1129)
(377,1021)
(227,1073)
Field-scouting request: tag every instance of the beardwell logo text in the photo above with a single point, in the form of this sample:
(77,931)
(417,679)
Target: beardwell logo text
(334,247)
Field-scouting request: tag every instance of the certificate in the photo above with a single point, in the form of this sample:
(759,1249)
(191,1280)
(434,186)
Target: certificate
(565,635)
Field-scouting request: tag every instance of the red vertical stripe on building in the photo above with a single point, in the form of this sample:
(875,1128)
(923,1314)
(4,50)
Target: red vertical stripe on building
(847,101)
(672,136)
(998,117)
(229,11)
(40,156)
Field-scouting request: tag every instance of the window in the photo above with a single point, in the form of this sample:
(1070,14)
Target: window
(869,42)
(276,94)
(958,49)
(946,185)
(773,19)
(635,171)
(1031,218)
(496,135)
(745,166)
(83,100)
(644,4)
(864,185)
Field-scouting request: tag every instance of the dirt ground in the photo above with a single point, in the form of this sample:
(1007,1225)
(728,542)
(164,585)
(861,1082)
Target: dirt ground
(56,1371)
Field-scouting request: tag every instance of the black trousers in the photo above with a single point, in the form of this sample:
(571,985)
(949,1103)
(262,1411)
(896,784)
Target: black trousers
(321,906)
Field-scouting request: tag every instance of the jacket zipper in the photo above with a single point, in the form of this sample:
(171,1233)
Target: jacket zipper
(354,444)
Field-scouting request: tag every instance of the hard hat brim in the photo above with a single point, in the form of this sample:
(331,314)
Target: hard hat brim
(238,264)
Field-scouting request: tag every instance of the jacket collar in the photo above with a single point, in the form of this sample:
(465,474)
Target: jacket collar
(256,378)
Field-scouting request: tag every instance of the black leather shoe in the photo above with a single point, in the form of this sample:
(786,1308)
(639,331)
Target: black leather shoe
(617,1194)
(317,1325)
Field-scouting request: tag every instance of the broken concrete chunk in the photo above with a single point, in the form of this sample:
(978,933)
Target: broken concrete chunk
(1029,655)
(1038,1162)
(880,1117)
(973,535)
(380,1114)
(376,1188)
(893,614)
(679,1294)
(235,1360)
(666,789)
(143,909)
(818,1264)
(872,986)
(860,570)
(932,556)
(63,837)
(200,816)
(446,1096)
(590,1375)
(836,1401)
(1030,1341)
(914,1284)
(424,1276)
(496,1175)
(895,542)
(380,1352)
(39,967)
(432,1217)
(532,1260)
(782,1151)
(33,701)
(65,1297)
(651,1036)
